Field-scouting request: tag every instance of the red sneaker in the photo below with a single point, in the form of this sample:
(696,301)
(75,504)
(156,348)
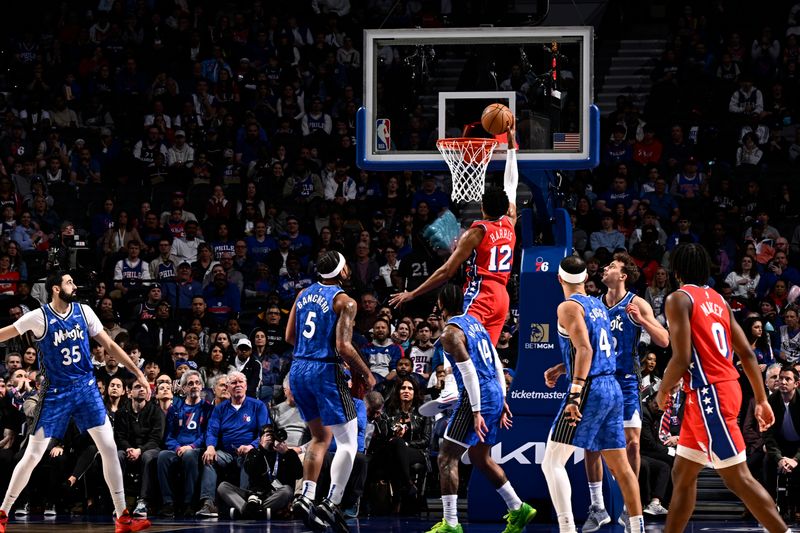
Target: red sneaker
(3,521)
(126,523)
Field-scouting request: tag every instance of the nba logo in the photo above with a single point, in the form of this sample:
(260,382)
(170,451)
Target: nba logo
(383,135)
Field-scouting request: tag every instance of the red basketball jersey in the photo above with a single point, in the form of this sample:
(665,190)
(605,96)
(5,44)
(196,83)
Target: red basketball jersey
(494,256)
(712,351)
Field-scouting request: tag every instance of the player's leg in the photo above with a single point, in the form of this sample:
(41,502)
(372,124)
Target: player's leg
(684,493)
(556,455)
(632,436)
(598,516)
(617,462)
(346,435)
(519,513)
(103,437)
(37,445)
(312,462)
(450,454)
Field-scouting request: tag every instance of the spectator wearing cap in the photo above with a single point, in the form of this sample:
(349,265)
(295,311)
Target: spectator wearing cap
(506,350)
(178,201)
(185,248)
(430,194)
(340,188)
(401,244)
(182,290)
(608,237)
(147,309)
(180,156)
(131,271)
(222,296)
(245,363)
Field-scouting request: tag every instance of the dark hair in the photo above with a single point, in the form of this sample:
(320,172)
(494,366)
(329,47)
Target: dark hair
(385,321)
(690,263)
(451,299)
(792,369)
(629,268)
(393,403)
(54,280)
(328,262)
(495,202)
(573,264)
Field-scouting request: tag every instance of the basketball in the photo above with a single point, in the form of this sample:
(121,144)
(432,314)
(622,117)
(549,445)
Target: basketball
(496,118)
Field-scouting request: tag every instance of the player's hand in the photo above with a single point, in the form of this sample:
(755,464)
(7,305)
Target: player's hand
(371,381)
(663,398)
(552,374)
(480,425)
(634,312)
(764,415)
(506,419)
(143,381)
(210,455)
(573,414)
(400,298)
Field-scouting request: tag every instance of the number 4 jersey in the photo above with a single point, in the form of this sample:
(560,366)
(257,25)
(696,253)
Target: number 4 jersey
(63,341)
(604,357)
(712,352)
(488,270)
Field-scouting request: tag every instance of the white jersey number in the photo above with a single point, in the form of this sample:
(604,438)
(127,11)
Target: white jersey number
(505,254)
(308,333)
(71,356)
(605,346)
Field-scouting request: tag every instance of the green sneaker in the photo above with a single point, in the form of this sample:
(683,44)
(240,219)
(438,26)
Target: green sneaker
(517,520)
(444,527)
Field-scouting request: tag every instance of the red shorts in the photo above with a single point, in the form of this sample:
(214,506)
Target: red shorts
(709,432)
(488,302)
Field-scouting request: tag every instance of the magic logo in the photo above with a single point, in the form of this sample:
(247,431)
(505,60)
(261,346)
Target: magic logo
(74,334)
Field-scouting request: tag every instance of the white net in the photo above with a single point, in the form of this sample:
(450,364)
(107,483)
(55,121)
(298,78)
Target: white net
(467,159)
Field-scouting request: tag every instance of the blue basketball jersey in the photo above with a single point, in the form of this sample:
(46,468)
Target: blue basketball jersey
(604,358)
(315,323)
(479,347)
(626,335)
(64,351)
(131,274)
(166,271)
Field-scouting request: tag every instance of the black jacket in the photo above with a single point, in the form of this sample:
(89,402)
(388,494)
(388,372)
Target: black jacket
(260,463)
(144,430)
(777,445)
(650,443)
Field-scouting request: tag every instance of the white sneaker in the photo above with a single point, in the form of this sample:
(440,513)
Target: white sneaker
(50,511)
(23,511)
(141,509)
(655,509)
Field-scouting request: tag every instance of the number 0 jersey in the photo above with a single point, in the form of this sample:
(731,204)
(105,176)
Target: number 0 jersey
(63,341)
(604,357)
(712,352)
(480,349)
(315,323)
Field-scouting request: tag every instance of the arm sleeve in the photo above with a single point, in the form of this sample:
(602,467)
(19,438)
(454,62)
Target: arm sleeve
(511,176)
(500,375)
(470,378)
(32,321)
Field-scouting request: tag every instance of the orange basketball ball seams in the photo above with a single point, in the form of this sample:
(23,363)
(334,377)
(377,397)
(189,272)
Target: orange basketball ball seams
(496,118)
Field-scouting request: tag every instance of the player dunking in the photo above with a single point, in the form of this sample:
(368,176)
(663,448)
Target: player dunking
(591,416)
(628,314)
(488,245)
(62,329)
(320,327)
(477,416)
(704,338)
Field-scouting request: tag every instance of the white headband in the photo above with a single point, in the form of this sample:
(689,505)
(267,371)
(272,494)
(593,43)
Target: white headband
(580,277)
(335,272)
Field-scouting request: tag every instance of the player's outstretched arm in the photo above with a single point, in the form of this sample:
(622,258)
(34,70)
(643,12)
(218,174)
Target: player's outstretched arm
(642,312)
(346,308)
(678,309)
(290,324)
(511,175)
(119,354)
(741,346)
(8,332)
(466,245)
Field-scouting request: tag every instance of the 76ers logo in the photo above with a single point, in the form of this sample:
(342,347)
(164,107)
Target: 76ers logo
(542,265)
(246,419)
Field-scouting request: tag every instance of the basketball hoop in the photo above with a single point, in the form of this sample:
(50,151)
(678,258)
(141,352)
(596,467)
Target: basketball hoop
(467,159)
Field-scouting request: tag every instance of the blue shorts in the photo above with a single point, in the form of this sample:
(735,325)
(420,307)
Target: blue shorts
(320,391)
(80,401)
(461,427)
(631,404)
(600,427)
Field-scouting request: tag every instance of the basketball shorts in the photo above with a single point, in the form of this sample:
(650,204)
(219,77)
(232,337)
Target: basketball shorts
(461,426)
(320,391)
(600,427)
(79,400)
(631,404)
(488,302)
(709,432)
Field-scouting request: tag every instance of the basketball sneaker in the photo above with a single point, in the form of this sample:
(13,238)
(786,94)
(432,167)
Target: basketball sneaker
(3,521)
(517,520)
(330,513)
(444,527)
(303,508)
(126,523)
(597,518)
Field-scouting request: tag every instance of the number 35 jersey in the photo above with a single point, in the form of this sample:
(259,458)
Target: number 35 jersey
(63,340)
(712,352)
(604,357)
(315,323)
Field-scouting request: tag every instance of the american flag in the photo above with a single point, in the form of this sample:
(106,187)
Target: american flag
(566,142)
